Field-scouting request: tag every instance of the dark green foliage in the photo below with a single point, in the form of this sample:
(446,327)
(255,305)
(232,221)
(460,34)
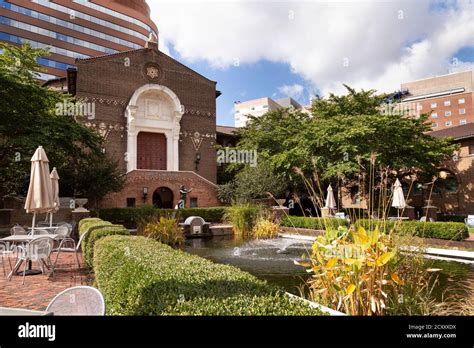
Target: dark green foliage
(94,229)
(29,118)
(140,276)
(440,230)
(312,222)
(131,216)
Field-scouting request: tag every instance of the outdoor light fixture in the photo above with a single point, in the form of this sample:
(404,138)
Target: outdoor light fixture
(198,159)
(145,193)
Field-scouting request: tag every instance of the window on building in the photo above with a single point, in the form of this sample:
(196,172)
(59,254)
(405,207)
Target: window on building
(471,149)
(131,202)
(448,123)
(252,109)
(193,203)
(419,107)
(434,115)
(462,121)
(447,113)
(237,111)
(447,103)
(462,111)
(434,105)
(434,125)
(461,101)
(265,107)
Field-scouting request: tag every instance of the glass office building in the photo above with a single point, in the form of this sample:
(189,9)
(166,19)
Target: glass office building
(73,29)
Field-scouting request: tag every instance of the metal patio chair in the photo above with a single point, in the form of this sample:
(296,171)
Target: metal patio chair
(78,300)
(66,243)
(18,230)
(6,250)
(38,250)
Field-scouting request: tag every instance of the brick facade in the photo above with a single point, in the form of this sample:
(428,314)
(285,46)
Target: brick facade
(110,81)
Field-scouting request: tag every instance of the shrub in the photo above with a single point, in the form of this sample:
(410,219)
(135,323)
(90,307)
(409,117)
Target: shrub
(130,217)
(140,276)
(87,221)
(95,235)
(265,228)
(164,230)
(441,230)
(312,222)
(243,218)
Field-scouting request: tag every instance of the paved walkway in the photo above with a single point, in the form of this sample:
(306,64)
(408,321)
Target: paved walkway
(40,289)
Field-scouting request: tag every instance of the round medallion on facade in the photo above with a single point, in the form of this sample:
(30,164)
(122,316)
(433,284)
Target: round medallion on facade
(152,72)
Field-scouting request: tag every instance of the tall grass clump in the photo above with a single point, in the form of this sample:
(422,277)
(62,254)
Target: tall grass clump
(243,218)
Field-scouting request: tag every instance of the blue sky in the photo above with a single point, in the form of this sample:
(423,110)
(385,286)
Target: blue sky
(308,47)
(247,81)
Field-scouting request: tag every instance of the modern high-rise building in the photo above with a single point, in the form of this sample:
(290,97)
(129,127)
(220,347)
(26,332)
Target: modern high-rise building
(75,28)
(258,107)
(448,98)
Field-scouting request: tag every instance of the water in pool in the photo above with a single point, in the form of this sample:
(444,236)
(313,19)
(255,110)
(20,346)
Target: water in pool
(273,260)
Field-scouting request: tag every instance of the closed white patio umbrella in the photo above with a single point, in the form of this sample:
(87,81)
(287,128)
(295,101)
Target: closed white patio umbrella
(39,199)
(398,200)
(330,201)
(55,193)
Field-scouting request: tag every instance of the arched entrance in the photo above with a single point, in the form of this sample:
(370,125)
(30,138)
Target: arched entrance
(163,198)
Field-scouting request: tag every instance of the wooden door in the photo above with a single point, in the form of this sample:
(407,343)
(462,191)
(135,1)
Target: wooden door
(151,151)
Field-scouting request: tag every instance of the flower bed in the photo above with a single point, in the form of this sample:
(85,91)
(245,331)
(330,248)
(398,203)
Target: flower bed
(140,276)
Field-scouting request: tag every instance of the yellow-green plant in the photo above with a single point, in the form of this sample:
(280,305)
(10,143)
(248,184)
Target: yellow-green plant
(351,270)
(264,228)
(165,230)
(243,218)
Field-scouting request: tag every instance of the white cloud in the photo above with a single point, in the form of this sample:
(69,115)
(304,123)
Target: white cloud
(366,44)
(294,91)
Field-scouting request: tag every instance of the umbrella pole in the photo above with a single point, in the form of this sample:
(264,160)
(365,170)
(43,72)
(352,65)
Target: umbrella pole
(50,219)
(33,224)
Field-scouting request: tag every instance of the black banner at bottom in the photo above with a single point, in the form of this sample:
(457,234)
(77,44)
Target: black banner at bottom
(228,331)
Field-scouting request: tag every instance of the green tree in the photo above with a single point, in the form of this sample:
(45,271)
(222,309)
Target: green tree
(29,118)
(341,138)
(253,183)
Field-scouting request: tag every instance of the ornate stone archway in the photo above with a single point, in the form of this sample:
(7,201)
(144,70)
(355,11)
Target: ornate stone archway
(155,109)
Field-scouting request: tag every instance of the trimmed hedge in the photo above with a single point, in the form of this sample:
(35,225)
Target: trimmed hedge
(312,223)
(140,276)
(130,216)
(441,230)
(96,229)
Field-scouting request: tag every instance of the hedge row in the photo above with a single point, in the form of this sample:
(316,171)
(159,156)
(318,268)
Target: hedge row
(94,229)
(440,230)
(140,276)
(312,223)
(130,216)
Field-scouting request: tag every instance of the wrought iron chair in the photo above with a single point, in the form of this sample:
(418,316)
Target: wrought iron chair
(6,250)
(66,243)
(18,230)
(38,250)
(78,300)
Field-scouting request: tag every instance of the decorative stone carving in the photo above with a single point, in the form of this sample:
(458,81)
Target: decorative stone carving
(104,129)
(152,72)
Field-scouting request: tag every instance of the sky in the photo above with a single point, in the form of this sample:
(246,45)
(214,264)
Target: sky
(257,48)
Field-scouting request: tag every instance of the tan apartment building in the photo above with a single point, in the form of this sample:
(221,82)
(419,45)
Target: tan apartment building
(448,99)
(259,107)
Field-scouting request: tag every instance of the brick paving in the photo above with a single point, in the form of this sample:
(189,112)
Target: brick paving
(40,289)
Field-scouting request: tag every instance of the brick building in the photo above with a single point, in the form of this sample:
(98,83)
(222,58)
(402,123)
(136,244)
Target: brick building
(455,191)
(447,98)
(158,119)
